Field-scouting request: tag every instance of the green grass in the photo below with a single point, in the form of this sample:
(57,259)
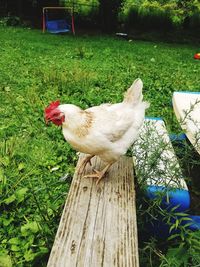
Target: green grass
(38,68)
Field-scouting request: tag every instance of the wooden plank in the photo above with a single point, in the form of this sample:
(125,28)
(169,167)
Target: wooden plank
(187,109)
(98,225)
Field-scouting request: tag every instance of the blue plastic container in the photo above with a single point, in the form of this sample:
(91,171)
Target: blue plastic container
(175,198)
(179,198)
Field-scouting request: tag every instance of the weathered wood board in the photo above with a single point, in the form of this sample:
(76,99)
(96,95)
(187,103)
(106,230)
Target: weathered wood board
(98,225)
(187,109)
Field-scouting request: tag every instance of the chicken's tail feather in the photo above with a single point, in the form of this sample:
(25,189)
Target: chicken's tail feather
(146,104)
(134,94)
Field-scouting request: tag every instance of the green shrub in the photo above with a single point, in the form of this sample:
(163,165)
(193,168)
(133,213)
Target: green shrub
(10,21)
(148,14)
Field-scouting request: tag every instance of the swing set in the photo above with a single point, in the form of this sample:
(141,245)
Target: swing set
(57,25)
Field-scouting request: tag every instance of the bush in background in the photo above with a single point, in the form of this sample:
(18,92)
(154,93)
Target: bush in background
(161,14)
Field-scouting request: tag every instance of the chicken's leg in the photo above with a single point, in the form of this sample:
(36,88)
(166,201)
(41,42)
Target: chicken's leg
(84,162)
(98,174)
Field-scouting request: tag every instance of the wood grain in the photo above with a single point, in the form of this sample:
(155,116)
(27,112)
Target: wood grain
(98,224)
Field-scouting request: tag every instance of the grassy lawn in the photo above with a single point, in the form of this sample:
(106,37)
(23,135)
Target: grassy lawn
(38,68)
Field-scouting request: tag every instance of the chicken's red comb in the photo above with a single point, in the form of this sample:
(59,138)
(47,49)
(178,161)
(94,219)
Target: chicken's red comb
(52,106)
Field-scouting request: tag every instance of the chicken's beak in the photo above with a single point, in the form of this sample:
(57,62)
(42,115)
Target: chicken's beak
(47,119)
(47,122)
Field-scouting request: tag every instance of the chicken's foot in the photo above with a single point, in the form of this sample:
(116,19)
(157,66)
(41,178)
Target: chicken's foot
(98,174)
(84,163)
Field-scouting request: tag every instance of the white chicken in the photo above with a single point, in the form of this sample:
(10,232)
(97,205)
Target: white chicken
(107,130)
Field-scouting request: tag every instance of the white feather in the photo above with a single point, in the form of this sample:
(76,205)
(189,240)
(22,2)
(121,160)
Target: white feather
(111,128)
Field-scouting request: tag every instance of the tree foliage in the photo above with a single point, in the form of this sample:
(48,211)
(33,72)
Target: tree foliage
(177,10)
(109,10)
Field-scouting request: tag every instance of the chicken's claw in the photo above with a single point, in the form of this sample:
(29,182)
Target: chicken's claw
(84,163)
(98,174)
